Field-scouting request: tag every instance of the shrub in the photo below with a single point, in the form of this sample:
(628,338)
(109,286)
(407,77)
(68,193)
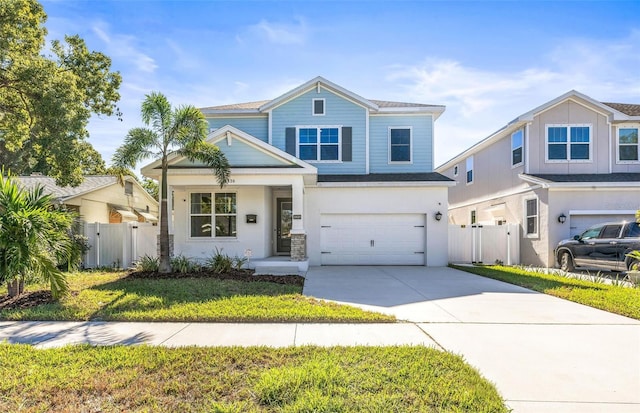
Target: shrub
(219,263)
(183,265)
(147,263)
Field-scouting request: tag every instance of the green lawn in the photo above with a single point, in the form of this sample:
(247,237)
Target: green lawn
(113,297)
(613,298)
(233,379)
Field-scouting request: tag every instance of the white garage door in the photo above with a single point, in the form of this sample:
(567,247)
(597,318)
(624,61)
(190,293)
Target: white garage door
(372,239)
(580,223)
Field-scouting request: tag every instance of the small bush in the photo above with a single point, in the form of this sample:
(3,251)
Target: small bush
(219,263)
(239,262)
(147,263)
(183,265)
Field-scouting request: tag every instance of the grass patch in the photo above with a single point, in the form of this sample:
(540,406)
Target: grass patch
(114,297)
(613,298)
(294,379)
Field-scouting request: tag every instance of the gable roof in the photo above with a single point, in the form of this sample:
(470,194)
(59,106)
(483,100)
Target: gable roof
(263,106)
(617,111)
(283,159)
(89,184)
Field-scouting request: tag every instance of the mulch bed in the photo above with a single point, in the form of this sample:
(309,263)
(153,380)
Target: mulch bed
(26,300)
(238,275)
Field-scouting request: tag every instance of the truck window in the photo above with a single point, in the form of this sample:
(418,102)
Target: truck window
(611,231)
(633,230)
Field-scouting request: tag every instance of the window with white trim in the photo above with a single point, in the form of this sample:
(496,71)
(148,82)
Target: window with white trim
(531,217)
(628,145)
(318,107)
(516,147)
(213,214)
(470,170)
(568,143)
(472,217)
(319,143)
(399,144)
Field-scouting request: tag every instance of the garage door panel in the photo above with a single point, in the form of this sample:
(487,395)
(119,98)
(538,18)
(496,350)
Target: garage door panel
(372,239)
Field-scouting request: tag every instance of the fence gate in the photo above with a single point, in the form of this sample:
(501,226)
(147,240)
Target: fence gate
(485,244)
(119,245)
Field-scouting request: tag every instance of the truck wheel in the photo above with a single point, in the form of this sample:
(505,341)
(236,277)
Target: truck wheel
(566,262)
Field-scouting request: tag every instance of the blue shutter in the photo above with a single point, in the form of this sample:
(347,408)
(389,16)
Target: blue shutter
(346,144)
(290,141)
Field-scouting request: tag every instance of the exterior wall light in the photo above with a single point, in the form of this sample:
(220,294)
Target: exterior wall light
(438,216)
(562,218)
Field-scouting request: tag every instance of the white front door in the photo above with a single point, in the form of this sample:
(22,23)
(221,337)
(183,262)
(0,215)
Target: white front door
(372,239)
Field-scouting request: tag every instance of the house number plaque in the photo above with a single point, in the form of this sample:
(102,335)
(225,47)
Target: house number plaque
(297,216)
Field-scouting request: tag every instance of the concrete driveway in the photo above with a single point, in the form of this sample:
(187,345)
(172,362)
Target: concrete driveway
(543,353)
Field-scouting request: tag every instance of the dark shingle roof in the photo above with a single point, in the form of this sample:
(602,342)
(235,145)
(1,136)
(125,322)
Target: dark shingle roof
(626,108)
(392,177)
(614,177)
(89,184)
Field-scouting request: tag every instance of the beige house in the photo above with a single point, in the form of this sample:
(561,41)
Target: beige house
(101,198)
(556,170)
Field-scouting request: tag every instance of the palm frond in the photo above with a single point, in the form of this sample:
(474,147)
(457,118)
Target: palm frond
(212,156)
(138,145)
(156,112)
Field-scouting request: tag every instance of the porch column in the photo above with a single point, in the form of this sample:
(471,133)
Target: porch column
(298,233)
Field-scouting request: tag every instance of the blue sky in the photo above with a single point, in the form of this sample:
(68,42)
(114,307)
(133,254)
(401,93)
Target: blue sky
(488,62)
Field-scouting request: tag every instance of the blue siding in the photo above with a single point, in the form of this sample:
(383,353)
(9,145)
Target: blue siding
(241,154)
(255,126)
(338,112)
(422,142)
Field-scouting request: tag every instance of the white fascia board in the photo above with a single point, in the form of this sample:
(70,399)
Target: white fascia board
(571,95)
(230,112)
(412,184)
(559,186)
(499,195)
(602,212)
(305,87)
(241,171)
(436,111)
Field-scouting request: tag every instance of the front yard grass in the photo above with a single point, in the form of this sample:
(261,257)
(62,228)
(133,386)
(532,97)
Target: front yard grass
(234,380)
(613,298)
(114,297)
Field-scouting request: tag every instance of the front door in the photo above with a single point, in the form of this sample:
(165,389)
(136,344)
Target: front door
(283,226)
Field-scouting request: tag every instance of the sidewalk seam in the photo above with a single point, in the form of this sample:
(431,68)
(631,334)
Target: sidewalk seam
(174,334)
(430,337)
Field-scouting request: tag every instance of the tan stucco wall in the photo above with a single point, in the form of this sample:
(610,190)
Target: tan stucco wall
(93,206)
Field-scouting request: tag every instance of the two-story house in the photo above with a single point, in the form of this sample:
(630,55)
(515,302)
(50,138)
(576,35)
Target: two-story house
(556,170)
(320,175)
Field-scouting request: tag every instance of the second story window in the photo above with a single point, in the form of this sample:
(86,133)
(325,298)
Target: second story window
(399,144)
(318,107)
(319,143)
(516,147)
(470,170)
(568,143)
(628,145)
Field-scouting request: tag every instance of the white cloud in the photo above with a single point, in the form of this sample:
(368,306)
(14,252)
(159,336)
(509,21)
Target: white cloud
(480,101)
(280,33)
(123,47)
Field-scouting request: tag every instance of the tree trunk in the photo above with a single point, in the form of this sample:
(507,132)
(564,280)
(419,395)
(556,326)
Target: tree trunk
(15,287)
(165,259)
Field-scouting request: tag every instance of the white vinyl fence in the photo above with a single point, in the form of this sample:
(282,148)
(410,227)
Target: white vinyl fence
(485,244)
(119,245)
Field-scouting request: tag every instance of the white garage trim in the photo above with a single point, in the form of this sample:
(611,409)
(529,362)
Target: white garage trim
(373,239)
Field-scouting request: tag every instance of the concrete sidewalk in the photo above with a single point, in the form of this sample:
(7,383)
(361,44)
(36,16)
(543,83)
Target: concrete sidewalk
(45,334)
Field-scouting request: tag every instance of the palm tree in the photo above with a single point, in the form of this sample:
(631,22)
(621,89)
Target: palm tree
(34,238)
(182,130)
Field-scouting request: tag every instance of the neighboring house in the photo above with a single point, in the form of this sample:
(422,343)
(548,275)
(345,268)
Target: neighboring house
(320,175)
(100,198)
(555,170)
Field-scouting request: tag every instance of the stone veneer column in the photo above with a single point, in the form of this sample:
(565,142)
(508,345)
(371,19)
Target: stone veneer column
(298,247)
